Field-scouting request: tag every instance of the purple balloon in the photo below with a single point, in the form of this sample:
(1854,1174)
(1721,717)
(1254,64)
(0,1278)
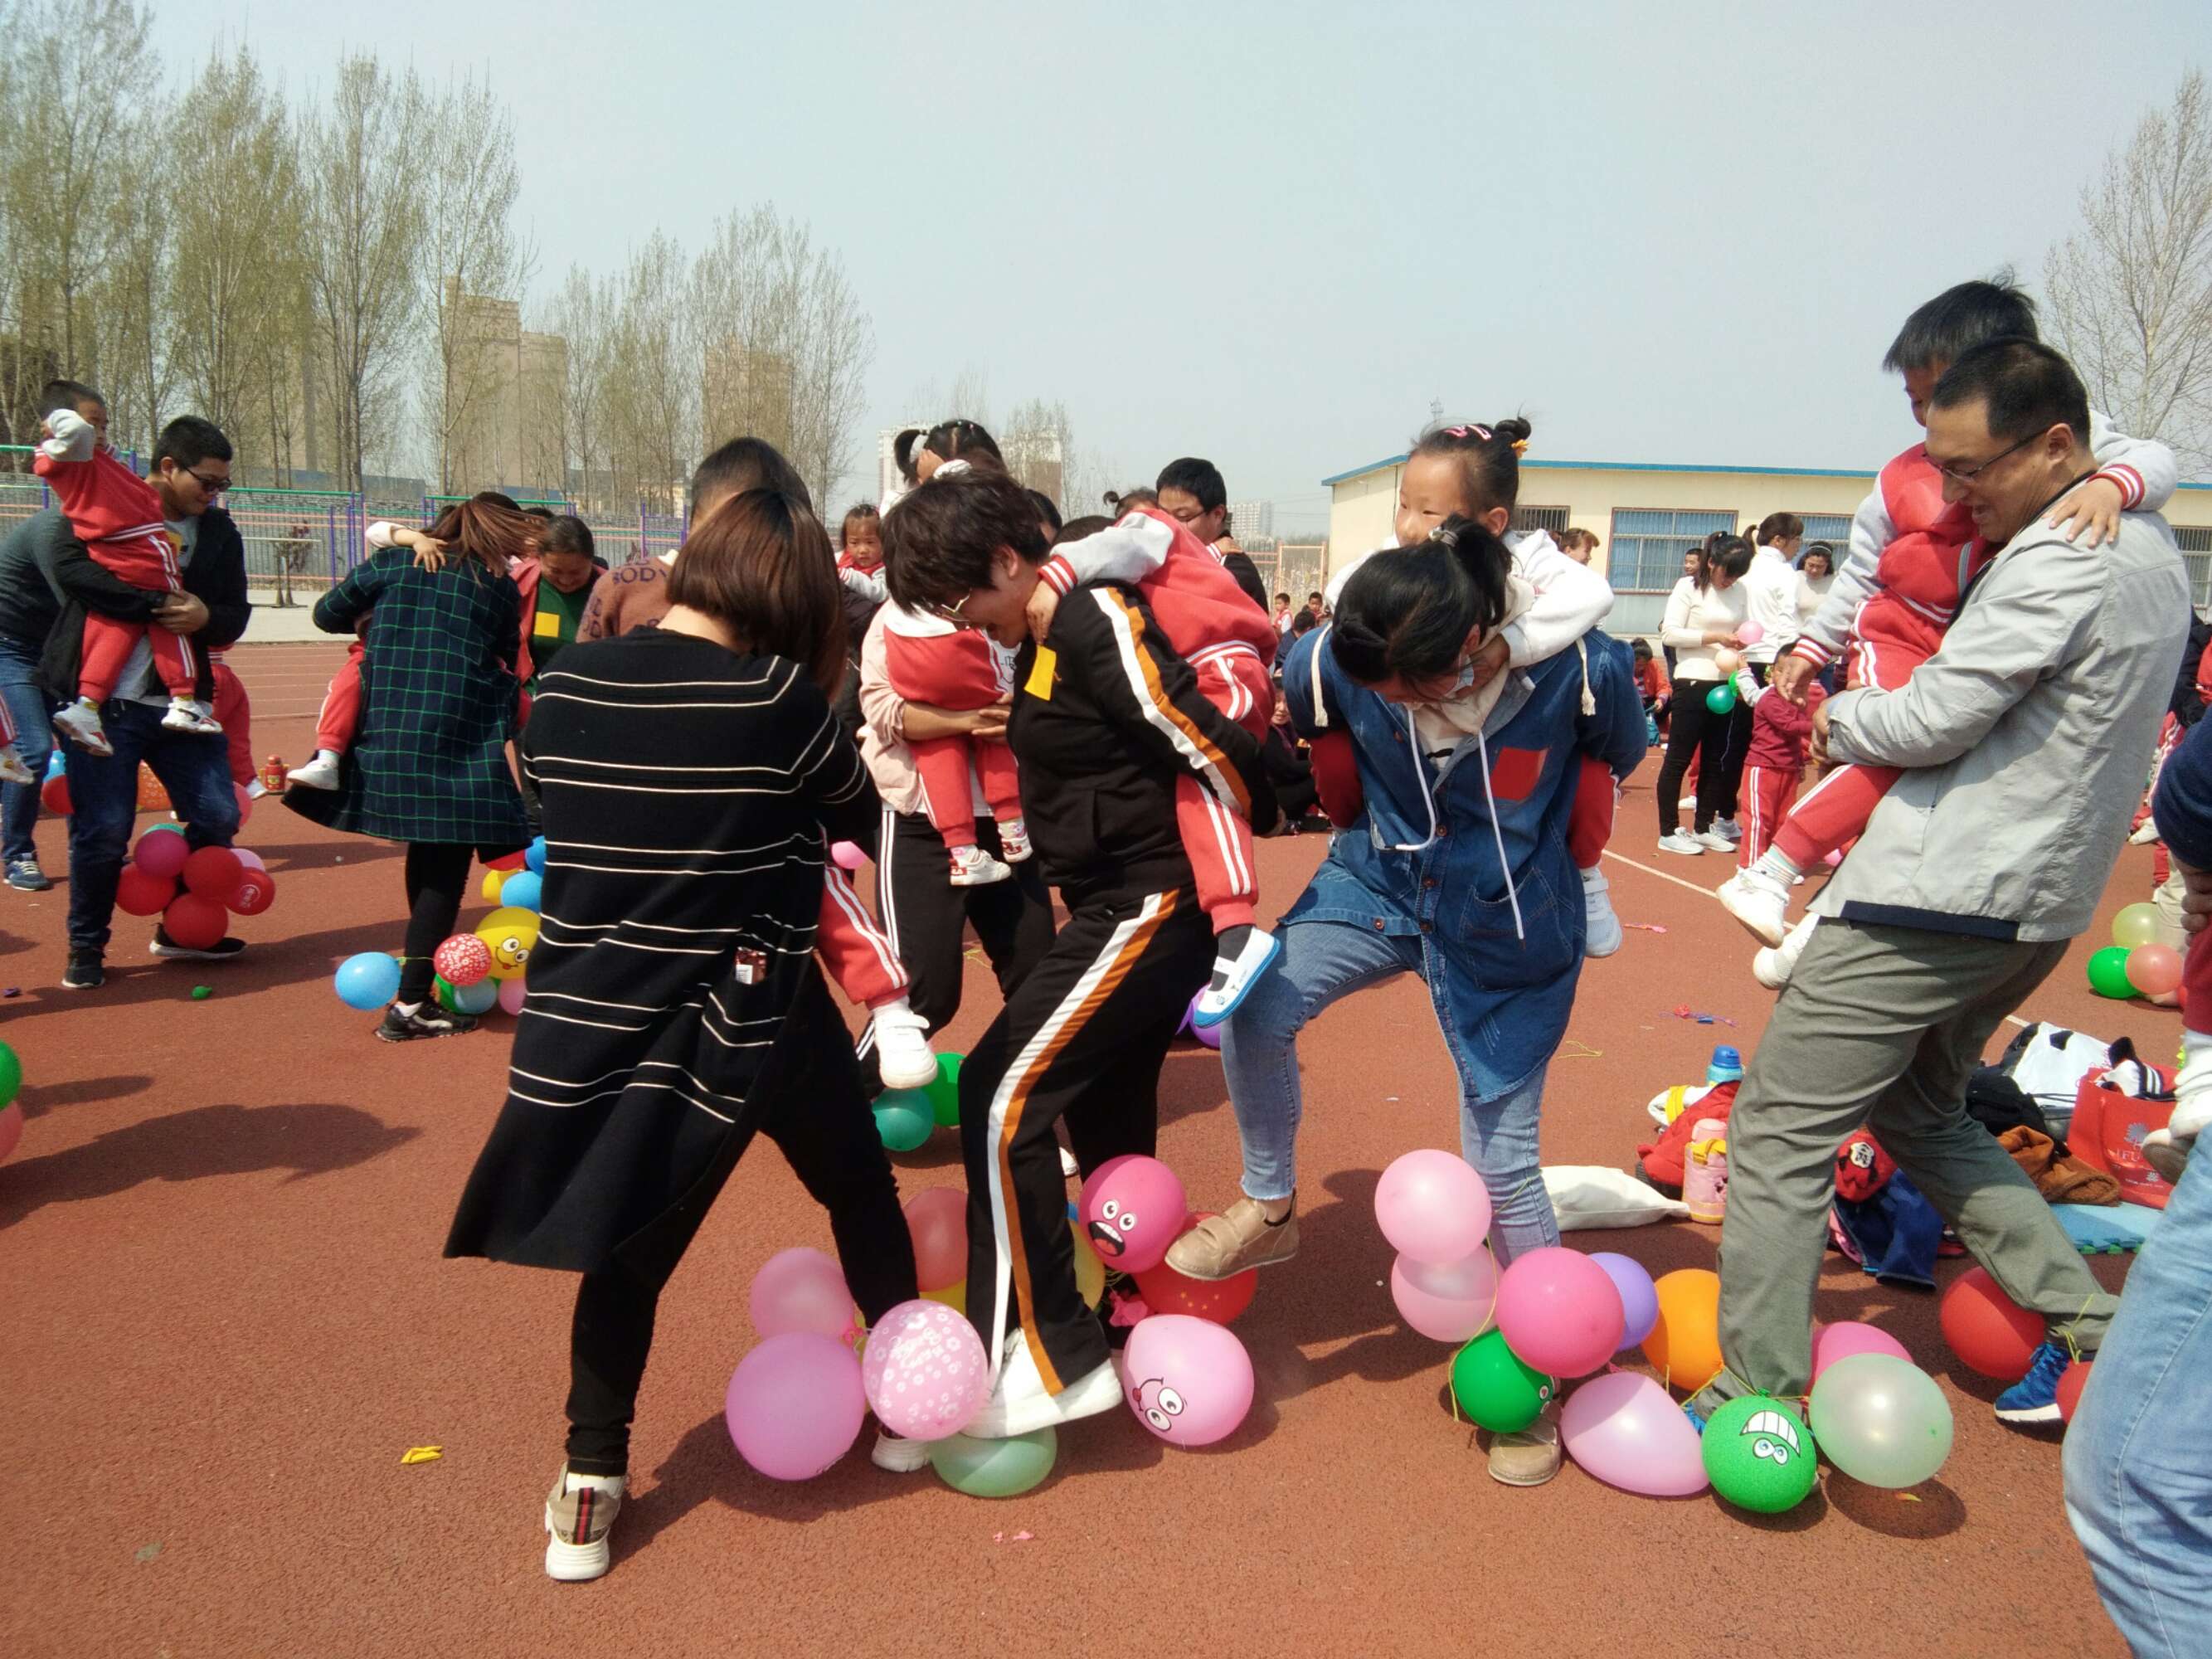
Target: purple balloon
(1639,1296)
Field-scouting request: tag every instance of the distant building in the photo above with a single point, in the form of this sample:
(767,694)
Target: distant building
(507,386)
(1252,521)
(745,393)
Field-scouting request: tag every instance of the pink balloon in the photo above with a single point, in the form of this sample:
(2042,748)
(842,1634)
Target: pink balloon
(1132,1209)
(802,1289)
(1624,1429)
(795,1405)
(11,1128)
(245,803)
(846,855)
(1432,1206)
(1560,1312)
(925,1370)
(511,993)
(938,1219)
(1750,633)
(2154,970)
(161,852)
(1189,1381)
(1450,1302)
(249,858)
(1847,1337)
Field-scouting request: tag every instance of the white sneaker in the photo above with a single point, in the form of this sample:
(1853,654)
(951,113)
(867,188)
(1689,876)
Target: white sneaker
(903,1050)
(80,722)
(320,772)
(1772,968)
(1713,842)
(580,1513)
(1069,1169)
(1233,977)
(1021,1405)
(1014,840)
(12,769)
(186,715)
(2167,1150)
(898,1453)
(1728,828)
(1689,846)
(974,867)
(1601,934)
(1759,902)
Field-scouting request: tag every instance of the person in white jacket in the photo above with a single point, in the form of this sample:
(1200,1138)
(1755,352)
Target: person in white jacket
(1471,470)
(1705,619)
(1770,589)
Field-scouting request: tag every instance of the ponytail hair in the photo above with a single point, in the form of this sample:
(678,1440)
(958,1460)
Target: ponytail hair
(959,439)
(1723,552)
(1490,457)
(1779,527)
(1405,614)
(903,451)
(488,529)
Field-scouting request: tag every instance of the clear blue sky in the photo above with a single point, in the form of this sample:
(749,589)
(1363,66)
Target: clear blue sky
(1271,234)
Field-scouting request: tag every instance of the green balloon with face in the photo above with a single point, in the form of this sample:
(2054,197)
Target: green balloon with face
(1759,1455)
(1496,1387)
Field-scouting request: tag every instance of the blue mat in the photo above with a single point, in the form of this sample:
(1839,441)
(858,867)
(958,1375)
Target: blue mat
(2106,1228)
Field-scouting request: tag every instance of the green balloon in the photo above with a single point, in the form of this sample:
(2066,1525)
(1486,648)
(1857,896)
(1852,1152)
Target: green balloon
(2108,972)
(1881,1420)
(1721,698)
(994,1469)
(1759,1455)
(11,1077)
(944,1092)
(903,1119)
(1496,1387)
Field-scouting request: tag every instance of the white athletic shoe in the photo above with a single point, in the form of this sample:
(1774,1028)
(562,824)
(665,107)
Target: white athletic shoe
(903,1050)
(1233,977)
(2167,1150)
(1014,840)
(1021,1405)
(80,722)
(320,772)
(185,714)
(974,867)
(580,1513)
(1773,966)
(1601,934)
(12,769)
(1713,842)
(1687,845)
(898,1453)
(1728,828)
(1759,902)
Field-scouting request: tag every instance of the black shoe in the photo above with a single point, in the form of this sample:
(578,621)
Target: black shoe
(25,876)
(222,951)
(86,971)
(429,1020)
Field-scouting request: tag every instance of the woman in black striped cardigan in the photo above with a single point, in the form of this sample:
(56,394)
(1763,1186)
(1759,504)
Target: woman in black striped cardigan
(691,774)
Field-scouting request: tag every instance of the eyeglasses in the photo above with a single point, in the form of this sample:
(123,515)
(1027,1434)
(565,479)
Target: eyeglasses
(955,612)
(213,486)
(1968,474)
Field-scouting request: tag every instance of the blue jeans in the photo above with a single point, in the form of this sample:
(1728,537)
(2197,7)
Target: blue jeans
(2138,1487)
(104,796)
(1319,962)
(32,710)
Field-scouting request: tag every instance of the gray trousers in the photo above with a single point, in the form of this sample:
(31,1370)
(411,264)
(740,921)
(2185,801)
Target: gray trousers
(1879,1030)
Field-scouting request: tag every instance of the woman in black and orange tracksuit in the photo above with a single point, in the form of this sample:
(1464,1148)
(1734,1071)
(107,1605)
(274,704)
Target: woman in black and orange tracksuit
(1106,719)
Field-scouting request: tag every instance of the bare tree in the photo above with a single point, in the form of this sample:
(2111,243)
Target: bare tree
(132,316)
(651,389)
(361,195)
(2130,293)
(467,250)
(582,314)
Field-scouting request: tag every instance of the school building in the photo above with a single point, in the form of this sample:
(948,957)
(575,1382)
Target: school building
(1645,515)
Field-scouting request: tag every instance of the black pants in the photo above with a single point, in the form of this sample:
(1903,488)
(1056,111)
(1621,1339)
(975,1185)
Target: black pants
(1719,741)
(927,918)
(437,881)
(1083,1037)
(830,1142)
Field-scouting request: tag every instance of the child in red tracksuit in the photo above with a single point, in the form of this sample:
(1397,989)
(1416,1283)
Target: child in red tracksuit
(118,517)
(1215,626)
(933,659)
(1774,764)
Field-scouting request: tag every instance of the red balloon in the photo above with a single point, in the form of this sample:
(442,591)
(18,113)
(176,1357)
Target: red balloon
(2154,970)
(54,795)
(195,921)
(2071,1381)
(161,851)
(1989,1331)
(255,892)
(938,1219)
(464,959)
(142,893)
(212,872)
(1167,1292)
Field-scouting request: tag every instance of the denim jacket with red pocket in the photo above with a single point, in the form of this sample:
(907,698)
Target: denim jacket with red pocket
(1502,937)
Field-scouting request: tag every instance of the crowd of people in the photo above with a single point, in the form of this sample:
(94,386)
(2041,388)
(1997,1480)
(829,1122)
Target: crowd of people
(992,702)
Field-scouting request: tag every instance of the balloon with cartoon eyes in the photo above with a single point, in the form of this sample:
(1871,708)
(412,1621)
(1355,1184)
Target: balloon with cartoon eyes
(510,934)
(1158,1405)
(1132,1209)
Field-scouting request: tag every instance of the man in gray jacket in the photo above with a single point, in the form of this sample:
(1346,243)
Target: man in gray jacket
(2025,739)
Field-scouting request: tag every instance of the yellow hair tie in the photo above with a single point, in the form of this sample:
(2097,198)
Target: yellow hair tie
(1520,445)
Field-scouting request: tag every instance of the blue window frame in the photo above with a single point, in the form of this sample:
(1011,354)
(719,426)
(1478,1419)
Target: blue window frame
(1646,548)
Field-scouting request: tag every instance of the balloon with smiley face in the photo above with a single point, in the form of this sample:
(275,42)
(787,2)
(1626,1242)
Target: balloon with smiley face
(1131,1210)
(1189,1381)
(510,934)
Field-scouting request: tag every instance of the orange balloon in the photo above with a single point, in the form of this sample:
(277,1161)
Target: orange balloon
(1686,1344)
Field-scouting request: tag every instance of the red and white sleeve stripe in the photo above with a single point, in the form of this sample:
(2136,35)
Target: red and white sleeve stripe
(2129,481)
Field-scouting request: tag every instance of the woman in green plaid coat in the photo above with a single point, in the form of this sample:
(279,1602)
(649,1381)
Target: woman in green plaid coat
(429,762)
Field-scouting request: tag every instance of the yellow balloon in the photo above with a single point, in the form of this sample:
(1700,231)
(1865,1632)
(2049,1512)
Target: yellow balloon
(1090,1271)
(954,1297)
(492,881)
(510,935)
(2137,923)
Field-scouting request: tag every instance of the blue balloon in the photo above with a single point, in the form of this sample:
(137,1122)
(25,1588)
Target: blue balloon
(368,981)
(55,766)
(533,860)
(524,890)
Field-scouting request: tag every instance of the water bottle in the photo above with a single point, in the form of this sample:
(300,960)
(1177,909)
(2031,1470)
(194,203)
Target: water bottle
(1725,1066)
(1704,1172)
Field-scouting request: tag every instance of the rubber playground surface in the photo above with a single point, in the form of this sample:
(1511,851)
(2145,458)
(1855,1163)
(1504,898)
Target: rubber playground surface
(228,1320)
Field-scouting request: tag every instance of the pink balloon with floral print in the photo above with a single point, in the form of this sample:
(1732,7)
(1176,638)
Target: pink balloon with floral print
(925,1370)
